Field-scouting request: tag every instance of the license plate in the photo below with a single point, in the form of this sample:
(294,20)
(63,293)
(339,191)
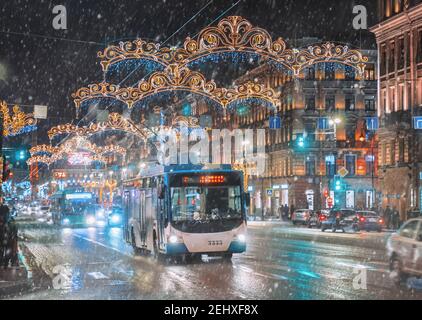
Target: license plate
(372,220)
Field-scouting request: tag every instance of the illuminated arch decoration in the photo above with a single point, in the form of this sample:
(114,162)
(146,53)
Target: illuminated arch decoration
(174,78)
(72,146)
(43,149)
(115,122)
(18,122)
(137,49)
(234,35)
(329,52)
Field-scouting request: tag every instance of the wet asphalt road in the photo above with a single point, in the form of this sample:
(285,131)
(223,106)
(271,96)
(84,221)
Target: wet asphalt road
(281,262)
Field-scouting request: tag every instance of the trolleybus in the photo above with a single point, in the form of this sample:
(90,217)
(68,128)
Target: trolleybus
(186,210)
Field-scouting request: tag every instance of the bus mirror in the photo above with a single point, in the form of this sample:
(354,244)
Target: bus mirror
(161,189)
(248,199)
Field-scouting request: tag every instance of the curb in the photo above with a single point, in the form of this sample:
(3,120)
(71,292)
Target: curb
(14,287)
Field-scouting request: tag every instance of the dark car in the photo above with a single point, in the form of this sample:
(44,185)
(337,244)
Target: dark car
(339,219)
(369,221)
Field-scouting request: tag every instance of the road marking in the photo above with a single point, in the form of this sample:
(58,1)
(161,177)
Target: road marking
(103,245)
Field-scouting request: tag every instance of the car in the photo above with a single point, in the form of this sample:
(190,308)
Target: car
(317,218)
(95,215)
(115,216)
(404,249)
(34,209)
(44,210)
(339,219)
(369,221)
(301,216)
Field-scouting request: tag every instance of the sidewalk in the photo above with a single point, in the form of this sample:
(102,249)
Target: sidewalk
(14,280)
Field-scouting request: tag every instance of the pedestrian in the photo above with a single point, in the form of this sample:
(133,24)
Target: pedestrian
(286,211)
(395,219)
(387,217)
(292,210)
(8,238)
(280,213)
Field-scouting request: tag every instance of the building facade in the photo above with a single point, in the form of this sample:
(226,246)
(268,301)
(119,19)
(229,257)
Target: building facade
(399,40)
(328,122)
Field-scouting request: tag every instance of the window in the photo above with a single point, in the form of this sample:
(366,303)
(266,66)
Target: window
(369,105)
(401,54)
(409,229)
(350,103)
(392,57)
(350,160)
(370,159)
(401,150)
(310,73)
(330,103)
(310,128)
(383,59)
(330,165)
(329,71)
(369,72)
(323,123)
(310,165)
(419,50)
(349,73)
(310,103)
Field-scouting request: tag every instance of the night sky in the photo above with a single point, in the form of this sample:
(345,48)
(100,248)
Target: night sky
(41,70)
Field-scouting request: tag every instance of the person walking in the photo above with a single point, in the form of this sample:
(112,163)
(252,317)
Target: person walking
(387,217)
(8,238)
(280,212)
(395,219)
(285,212)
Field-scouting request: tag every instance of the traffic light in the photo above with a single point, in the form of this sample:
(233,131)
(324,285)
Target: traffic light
(300,142)
(21,155)
(338,183)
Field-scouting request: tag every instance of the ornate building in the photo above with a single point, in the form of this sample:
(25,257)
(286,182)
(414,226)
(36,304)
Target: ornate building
(328,122)
(399,40)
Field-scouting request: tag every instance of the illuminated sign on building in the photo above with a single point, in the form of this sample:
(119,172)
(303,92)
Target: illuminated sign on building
(60,175)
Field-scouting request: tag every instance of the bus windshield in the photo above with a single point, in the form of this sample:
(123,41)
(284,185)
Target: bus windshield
(75,206)
(206,203)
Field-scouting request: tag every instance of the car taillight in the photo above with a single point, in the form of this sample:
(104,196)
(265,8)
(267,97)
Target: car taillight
(381,221)
(362,219)
(322,218)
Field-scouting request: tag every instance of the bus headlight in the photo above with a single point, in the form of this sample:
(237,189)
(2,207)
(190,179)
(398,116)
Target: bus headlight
(174,239)
(90,220)
(66,221)
(241,238)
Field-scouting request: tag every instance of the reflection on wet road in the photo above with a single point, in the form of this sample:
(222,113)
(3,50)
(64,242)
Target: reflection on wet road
(282,262)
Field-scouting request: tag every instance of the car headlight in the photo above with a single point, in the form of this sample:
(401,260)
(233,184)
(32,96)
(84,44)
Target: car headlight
(100,213)
(90,220)
(115,218)
(173,239)
(241,238)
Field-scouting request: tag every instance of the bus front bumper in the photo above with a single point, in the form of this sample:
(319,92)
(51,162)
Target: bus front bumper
(180,248)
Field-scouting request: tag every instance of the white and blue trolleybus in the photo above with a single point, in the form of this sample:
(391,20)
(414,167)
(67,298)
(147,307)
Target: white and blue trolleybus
(186,210)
